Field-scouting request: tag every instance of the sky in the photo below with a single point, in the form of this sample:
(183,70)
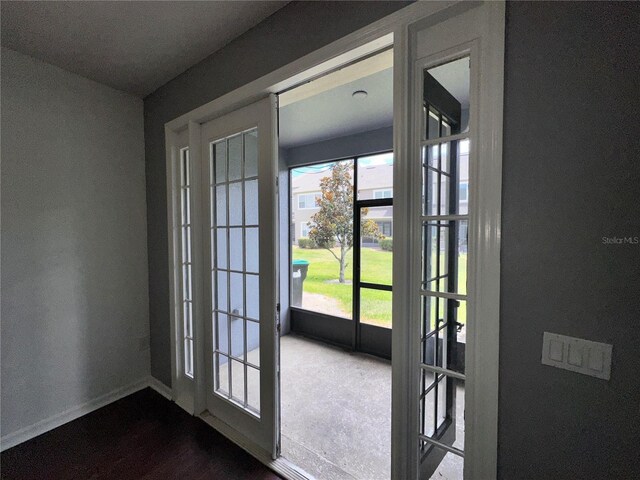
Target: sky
(379,159)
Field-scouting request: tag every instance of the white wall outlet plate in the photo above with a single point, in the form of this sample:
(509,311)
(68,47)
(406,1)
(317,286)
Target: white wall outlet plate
(577,355)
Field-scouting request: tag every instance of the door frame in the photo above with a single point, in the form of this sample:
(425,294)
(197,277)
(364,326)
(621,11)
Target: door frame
(397,29)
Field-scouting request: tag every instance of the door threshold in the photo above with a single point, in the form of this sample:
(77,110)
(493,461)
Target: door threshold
(280,465)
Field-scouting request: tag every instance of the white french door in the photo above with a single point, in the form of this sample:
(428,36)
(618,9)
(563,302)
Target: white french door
(239,170)
(447,278)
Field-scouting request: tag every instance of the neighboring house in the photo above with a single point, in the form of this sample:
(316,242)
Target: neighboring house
(374,181)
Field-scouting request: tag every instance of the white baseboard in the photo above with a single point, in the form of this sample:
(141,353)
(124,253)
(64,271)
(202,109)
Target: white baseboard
(38,428)
(161,388)
(280,465)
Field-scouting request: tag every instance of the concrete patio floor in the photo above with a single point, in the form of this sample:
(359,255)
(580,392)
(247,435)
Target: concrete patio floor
(336,413)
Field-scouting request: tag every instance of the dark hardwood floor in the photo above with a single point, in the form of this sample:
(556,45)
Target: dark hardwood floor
(141,436)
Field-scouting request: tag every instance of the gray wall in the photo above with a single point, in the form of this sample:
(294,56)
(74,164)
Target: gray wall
(571,176)
(74,264)
(292,32)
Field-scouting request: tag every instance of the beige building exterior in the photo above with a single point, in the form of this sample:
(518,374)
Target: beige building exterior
(374,181)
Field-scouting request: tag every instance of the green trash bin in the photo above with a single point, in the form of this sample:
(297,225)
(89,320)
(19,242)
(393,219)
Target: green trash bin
(299,271)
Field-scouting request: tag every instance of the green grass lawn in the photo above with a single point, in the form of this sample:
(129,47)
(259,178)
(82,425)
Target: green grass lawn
(376,267)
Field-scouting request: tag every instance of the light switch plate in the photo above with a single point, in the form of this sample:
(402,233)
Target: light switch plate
(577,355)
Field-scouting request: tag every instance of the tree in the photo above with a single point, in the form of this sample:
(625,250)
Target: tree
(333,223)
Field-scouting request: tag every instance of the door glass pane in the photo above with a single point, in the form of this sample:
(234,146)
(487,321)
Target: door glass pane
(236,289)
(458,348)
(236,340)
(451,465)
(235,157)
(186,282)
(222,333)
(236,251)
(235,203)
(253,297)
(220,161)
(427,403)
(188,318)
(221,373)
(435,272)
(435,318)
(376,244)
(463,176)
(376,307)
(462,247)
(431,182)
(237,337)
(251,202)
(221,205)
(445,246)
(237,381)
(251,154)
(446,178)
(188,357)
(446,96)
(253,343)
(433,123)
(443,332)
(321,222)
(457,386)
(251,251)
(186,243)
(442,400)
(253,389)
(186,204)
(222,299)
(221,248)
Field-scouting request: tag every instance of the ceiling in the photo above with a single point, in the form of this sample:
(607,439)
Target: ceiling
(325,108)
(337,113)
(133,46)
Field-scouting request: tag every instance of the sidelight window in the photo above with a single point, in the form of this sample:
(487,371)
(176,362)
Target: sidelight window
(444,226)
(186,261)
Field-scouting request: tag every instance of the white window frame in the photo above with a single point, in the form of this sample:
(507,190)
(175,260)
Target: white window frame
(182,386)
(302,228)
(383,190)
(307,194)
(397,29)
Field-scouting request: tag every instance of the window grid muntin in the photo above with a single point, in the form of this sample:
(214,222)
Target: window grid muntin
(186,268)
(444,136)
(214,184)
